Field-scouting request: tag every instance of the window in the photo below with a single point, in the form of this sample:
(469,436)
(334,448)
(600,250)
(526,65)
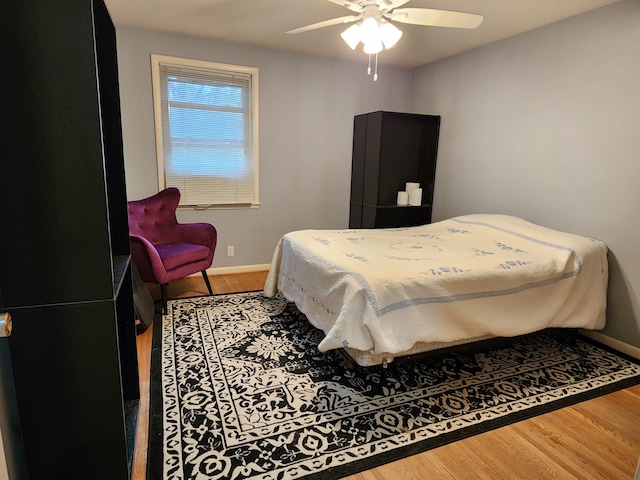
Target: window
(206,131)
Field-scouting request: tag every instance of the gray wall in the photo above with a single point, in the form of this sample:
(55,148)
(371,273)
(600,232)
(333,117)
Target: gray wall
(306,111)
(546,126)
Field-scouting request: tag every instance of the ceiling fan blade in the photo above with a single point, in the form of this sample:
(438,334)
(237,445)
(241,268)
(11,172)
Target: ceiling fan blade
(435,18)
(326,23)
(354,7)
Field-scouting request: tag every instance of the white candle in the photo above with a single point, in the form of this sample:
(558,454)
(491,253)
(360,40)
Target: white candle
(415,197)
(403,198)
(410,186)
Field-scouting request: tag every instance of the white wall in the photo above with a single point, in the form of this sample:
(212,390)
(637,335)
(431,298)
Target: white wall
(546,125)
(307,105)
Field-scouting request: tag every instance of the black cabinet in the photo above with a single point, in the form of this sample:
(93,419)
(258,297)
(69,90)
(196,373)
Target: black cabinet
(390,149)
(65,270)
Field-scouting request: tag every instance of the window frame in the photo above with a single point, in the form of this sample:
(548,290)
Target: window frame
(156,61)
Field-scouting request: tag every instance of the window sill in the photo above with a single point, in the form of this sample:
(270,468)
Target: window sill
(241,206)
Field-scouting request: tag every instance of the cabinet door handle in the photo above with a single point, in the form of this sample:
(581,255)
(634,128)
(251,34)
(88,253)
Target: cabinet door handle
(6,324)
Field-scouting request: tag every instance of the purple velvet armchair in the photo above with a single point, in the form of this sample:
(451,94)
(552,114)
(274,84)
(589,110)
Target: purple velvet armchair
(163,249)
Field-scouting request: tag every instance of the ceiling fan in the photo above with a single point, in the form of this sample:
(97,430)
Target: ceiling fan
(376,32)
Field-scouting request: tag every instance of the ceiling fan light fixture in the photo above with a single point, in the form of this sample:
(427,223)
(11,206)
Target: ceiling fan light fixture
(390,34)
(351,36)
(377,34)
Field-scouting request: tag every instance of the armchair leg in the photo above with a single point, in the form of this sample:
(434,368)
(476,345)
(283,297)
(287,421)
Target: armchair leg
(206,280)
(163,291)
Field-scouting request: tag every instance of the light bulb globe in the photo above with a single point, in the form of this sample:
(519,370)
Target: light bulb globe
(373,46)
(369,31)
(390,34)
(351,36)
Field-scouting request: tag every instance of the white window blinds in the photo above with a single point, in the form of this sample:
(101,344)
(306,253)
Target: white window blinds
(207,132)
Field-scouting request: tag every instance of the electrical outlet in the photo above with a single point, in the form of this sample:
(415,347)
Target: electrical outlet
(230,251)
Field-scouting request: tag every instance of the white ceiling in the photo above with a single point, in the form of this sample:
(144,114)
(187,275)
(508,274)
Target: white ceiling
(264,23)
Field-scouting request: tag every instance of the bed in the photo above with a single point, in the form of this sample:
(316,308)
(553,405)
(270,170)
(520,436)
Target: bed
(387,293)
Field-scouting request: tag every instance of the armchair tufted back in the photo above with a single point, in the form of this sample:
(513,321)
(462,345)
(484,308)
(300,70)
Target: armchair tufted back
(154,218)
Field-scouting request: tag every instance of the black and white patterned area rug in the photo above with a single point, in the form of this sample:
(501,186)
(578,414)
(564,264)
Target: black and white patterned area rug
(240,391)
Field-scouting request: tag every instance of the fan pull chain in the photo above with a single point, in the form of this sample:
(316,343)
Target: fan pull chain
(369,67)
(375,75)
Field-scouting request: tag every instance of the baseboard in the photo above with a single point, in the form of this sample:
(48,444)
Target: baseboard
(630,350)
(235,269)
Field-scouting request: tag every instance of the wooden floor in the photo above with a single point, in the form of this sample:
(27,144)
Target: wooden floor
(596,439)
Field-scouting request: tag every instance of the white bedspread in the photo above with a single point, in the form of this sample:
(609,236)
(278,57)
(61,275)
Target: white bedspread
(469,277)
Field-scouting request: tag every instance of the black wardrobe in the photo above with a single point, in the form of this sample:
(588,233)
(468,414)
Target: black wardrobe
(389,150)
(65,271)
